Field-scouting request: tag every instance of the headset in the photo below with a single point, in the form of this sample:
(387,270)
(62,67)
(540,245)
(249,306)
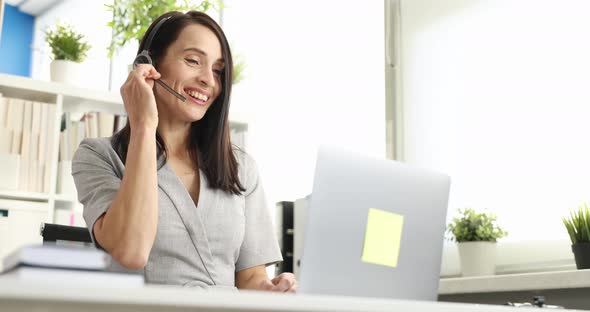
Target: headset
(144,57)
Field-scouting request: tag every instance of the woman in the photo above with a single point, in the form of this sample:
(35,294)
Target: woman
(168,194)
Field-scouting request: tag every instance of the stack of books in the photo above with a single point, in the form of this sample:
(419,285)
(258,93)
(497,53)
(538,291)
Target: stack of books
(75,127)
(64,264)
(26,144)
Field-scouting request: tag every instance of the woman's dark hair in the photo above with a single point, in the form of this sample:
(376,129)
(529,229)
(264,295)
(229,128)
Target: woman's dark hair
(209,143)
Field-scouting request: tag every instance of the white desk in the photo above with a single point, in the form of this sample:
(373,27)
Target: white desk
(48,298)
(515,282)
(565,288)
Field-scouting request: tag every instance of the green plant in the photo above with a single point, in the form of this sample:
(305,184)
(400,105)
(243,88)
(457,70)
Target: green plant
(474,226)
(66,43)
(578,225)
(131,18)
(239,67)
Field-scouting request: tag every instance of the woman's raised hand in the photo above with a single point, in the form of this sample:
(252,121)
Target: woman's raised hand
(138,97)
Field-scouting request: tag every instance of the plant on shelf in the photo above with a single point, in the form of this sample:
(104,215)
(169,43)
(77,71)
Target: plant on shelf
(66,43)
(69,48)
(476,234)
(578,228)
(474,226)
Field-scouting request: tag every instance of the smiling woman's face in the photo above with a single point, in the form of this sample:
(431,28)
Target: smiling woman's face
(193,66)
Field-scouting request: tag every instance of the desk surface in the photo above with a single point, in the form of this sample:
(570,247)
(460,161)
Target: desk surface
(60,298)
(515,282)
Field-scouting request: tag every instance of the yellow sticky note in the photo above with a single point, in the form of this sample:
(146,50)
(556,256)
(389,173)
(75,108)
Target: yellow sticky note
(383,237)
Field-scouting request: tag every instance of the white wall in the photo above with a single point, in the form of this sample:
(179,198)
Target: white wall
(315,73)
(496,94)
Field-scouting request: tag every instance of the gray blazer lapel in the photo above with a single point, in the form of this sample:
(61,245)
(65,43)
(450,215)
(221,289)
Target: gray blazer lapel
(191,216)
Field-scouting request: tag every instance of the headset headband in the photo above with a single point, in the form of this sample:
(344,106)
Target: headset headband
(144,57)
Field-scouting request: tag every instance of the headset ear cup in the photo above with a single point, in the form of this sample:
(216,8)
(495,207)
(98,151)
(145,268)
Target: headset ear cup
(143,58)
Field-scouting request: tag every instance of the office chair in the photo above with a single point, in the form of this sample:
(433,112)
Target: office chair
(52,233)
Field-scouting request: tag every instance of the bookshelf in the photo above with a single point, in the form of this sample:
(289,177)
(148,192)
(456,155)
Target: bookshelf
(64,99)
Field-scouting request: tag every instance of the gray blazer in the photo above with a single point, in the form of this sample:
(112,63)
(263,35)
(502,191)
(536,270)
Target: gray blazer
(195,246)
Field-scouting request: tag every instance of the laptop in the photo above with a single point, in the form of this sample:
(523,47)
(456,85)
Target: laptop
(375,228)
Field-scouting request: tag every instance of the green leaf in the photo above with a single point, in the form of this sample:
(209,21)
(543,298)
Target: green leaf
(570,229)
(578,224)
(132,18)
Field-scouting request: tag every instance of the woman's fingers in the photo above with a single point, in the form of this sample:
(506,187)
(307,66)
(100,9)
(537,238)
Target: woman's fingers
(145,72)
(150,72)
(285,282)
(138,96)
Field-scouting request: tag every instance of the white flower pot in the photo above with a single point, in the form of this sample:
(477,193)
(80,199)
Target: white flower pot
(66,72)
(477,258)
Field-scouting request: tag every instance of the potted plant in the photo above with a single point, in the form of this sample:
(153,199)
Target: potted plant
(578,228)
(476,235)
(69,50)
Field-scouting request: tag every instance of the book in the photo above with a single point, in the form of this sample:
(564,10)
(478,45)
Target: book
(5,133)
(34,175)
(73,277)
(106,124)
(5,140)
(10,167)
(16,113)
(3,111)
(44,130)
(57,256)
(52,123)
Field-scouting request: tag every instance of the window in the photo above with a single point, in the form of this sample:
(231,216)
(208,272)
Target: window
(496,95)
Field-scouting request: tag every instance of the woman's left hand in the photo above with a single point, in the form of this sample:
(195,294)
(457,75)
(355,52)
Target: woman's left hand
(285,282)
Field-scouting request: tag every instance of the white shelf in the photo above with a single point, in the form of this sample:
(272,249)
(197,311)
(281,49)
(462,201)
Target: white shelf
(515,282)
(24,196)
(65,198)
(46,91)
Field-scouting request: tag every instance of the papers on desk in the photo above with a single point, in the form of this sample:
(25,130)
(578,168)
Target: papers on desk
(57,256)
(72,277)
(74,265)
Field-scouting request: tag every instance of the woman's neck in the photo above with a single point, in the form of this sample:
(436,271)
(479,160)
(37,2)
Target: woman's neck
(176,137)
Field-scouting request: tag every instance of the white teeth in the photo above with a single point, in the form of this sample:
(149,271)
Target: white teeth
(198,95)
